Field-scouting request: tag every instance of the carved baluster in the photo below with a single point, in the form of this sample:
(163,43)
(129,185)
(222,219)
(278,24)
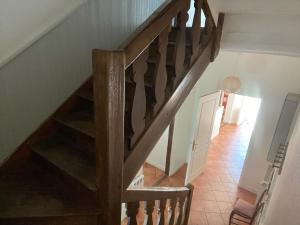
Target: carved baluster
(179,54)
(196,30)
(209,25)
(209,21)
(173,203)
(148,211)
(180,208)
(217,38)
(160,76)
(132,211)
(162,207)
(138,110)
(188,204)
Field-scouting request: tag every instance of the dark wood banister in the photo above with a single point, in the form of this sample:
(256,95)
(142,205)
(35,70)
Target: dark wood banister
(180,196)
(113,174)
(154,193)
(145,144)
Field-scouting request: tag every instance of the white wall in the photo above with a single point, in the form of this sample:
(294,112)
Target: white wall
(158,155)
(40,78)
(284,205)
(268,77)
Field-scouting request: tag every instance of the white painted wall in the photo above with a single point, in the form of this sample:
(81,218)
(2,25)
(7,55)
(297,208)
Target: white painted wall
(36,81)
(268,77)
(22,24)
(284,205)
(158,155)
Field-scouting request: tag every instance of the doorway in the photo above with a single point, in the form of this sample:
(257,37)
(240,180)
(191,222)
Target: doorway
(208,106)
(221,114)
(217,183)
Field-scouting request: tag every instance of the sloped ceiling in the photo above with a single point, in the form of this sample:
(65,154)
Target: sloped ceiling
(262,26)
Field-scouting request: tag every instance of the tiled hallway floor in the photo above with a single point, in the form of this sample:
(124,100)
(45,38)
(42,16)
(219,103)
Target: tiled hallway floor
(217,188)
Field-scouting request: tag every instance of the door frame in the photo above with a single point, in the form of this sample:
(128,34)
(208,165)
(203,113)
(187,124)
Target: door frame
(201,99)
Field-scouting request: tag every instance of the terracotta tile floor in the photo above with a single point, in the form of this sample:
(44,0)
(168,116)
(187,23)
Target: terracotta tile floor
(217,188)
(152,175)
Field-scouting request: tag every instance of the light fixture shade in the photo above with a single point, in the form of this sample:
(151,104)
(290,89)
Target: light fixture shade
(231,84)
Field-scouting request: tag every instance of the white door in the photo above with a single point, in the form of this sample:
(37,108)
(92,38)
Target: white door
(208,106)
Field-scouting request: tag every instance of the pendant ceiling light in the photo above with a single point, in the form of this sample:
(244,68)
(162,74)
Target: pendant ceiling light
(231,84)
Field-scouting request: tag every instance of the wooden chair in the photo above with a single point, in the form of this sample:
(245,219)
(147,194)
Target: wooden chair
(245,213)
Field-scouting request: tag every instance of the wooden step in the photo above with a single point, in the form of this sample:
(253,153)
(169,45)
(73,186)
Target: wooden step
(84,143)
(29,191)
(86,94)
(70,161)
(53,220)
(79,121)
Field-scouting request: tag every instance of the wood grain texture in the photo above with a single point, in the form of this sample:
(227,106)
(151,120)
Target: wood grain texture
(162,207)
(155,193)
(196,30)
(149,210)
(160,74)
(217,37)
(188,204)
(209,22)
(180,46)
(132,211)
(138,110)
(171,209)
(29,190)
(109,100)
(172,205)
(145,144)
(151,28)
(180,209)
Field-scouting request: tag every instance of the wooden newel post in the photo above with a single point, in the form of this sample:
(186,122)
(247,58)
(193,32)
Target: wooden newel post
(109,94)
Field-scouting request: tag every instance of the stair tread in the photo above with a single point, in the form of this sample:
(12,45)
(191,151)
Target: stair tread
(28,191)
(87,95)
(79,121)
(69,160)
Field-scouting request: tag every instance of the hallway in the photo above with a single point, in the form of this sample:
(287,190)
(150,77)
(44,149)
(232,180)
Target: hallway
(217,188)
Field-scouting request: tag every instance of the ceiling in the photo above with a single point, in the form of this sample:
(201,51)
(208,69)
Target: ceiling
(261,26)
(275,7)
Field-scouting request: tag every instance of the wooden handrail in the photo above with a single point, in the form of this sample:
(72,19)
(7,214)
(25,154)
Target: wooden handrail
(151,28)
(137,92)
(154,193)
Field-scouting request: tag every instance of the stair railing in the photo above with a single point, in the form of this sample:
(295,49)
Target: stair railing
(139,88)
(161,206)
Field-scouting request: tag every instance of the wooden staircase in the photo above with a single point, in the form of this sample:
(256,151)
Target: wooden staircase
(75,169)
